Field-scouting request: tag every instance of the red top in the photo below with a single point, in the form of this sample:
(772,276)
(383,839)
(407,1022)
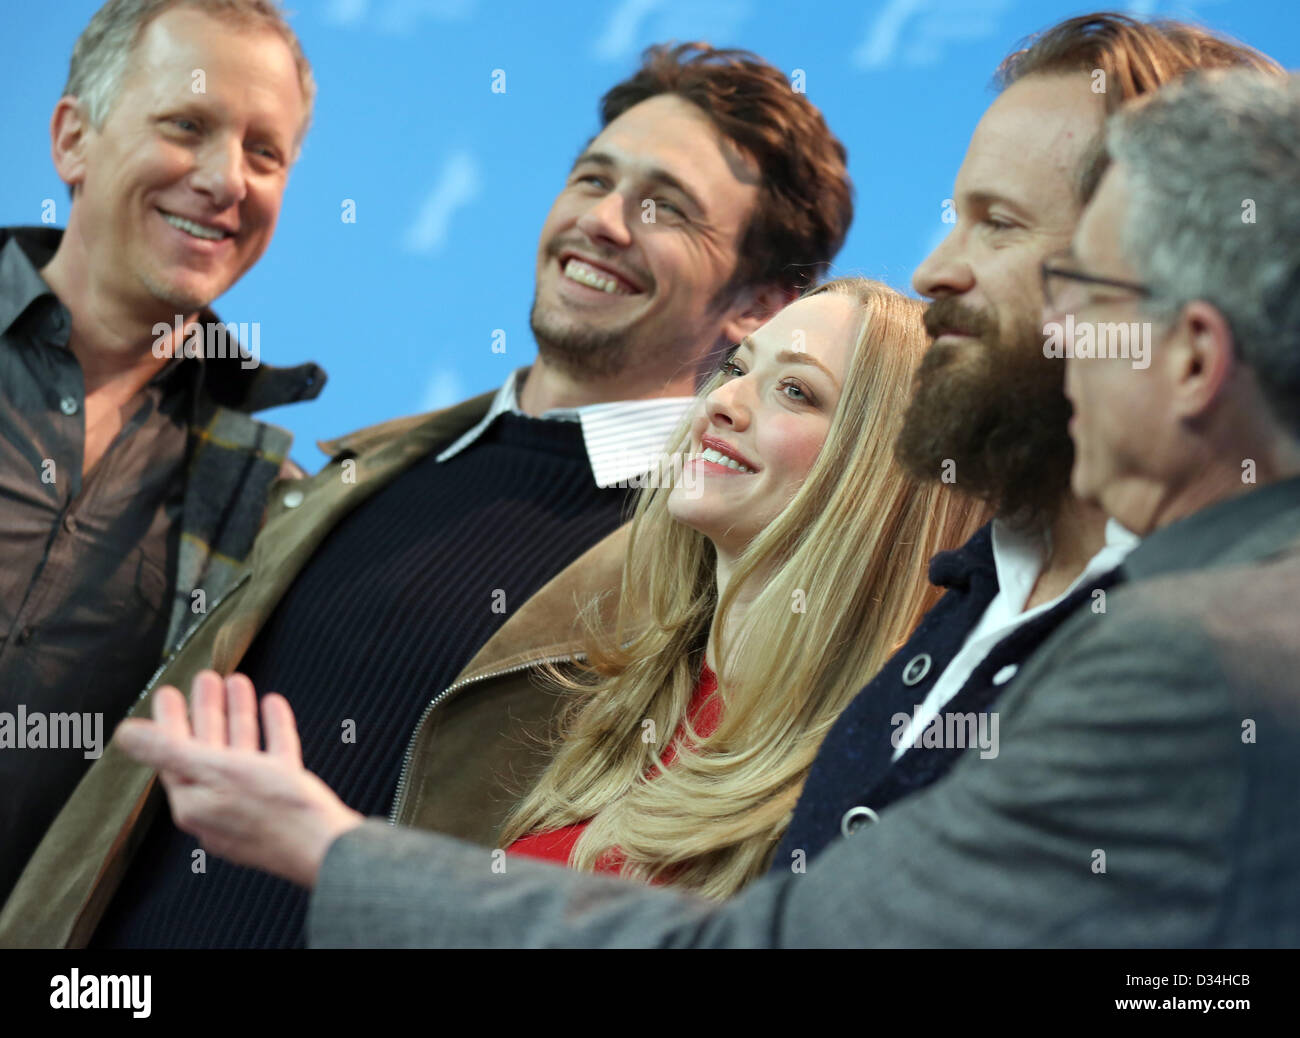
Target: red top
(704,711)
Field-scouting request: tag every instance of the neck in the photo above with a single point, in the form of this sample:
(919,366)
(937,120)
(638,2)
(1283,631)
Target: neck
(1077,533)
(1221,475)
(547,388)
(112,338)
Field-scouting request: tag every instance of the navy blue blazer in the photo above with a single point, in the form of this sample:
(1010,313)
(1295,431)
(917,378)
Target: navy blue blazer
(855,766)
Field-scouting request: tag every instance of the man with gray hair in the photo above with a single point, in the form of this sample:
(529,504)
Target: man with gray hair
(1144,794)
(1192,234)
(133,478)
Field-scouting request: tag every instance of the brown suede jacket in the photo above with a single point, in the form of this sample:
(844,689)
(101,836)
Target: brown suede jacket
(468,760)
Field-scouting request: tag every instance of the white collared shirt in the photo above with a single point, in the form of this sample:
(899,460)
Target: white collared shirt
(1018,559)
(624,438)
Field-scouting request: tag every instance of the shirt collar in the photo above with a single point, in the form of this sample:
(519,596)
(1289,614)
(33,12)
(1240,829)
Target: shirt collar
(1019,555)
(623,438)
(21,283)
(24,251)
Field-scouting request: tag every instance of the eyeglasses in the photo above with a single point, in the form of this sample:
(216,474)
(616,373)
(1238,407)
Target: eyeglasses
(1057,277)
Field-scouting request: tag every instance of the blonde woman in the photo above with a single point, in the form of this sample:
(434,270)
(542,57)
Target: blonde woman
(786,562)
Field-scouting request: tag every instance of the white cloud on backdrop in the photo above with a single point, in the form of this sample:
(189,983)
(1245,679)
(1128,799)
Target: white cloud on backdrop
(397,16)
(459,183)
(635,24)
(443,389)
(919,32)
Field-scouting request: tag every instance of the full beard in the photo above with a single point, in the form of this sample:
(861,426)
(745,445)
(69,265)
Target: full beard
(996,409)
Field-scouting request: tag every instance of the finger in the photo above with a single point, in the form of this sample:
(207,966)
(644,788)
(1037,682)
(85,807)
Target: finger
(208,706)
(149,744)
(171,713)
(281,729)
(241,710)
(170,717)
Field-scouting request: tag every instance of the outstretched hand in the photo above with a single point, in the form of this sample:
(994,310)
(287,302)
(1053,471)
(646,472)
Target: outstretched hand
(253,807)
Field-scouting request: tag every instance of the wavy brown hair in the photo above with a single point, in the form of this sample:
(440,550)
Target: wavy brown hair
(805,197)
(1136,56)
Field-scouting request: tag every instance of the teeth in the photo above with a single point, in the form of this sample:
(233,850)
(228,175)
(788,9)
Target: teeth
(718,458)
(190,227)
(578,271)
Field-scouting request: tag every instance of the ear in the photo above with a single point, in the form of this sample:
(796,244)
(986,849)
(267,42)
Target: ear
(69,130)
(1204,358)
(754,307)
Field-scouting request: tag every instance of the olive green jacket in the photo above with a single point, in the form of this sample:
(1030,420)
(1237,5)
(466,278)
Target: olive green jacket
(468,760)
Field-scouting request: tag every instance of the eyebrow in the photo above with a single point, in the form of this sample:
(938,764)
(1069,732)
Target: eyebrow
(655,173)
(794,357)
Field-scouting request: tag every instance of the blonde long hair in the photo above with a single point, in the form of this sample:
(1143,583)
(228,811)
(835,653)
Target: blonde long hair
(846,583)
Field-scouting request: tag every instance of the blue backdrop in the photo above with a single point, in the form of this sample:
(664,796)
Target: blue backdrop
(452,181)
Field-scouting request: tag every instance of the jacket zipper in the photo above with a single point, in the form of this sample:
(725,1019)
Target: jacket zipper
(185,638)
(405,775)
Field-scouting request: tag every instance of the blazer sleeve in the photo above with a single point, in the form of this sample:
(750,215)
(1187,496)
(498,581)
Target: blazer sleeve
(1105,818)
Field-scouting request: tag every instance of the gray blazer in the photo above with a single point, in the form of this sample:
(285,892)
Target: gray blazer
(1144,794)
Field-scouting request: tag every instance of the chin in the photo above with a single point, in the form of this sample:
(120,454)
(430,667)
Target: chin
(186,298)
(1087,491)
(679,507)
(698,519)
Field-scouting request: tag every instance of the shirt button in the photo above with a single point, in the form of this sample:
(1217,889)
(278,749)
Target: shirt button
(70,523)
(293,499)
(1006,674)
(916,669)
(68,405)
(855,818)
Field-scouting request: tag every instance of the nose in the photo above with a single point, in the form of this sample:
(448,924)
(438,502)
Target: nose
(219,173)
(729,405)
(946,271)
(605,220)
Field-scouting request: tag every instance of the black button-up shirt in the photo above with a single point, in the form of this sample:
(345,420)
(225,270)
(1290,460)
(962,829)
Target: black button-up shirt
(86,565)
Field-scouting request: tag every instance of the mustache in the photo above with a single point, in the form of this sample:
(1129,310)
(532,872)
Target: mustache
(949,315)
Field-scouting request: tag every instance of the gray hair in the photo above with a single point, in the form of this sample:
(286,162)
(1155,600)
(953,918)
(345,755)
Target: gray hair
(103,50)
(1213,170)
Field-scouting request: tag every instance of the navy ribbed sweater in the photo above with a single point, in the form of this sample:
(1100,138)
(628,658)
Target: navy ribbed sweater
(389,610)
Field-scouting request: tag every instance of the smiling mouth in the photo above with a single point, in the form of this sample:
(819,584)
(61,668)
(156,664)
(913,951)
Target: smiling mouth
(195,230)
(718,458)
(594,277)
